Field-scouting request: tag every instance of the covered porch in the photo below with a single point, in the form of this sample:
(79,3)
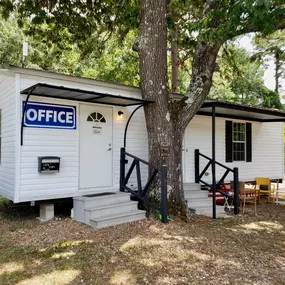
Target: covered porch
(242,132)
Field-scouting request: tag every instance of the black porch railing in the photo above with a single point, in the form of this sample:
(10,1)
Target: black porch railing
(198,178)
(142,192)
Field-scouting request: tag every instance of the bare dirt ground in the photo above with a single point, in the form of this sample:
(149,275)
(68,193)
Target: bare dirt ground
(241,250)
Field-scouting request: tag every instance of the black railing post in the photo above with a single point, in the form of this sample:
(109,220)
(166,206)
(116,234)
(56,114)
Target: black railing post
(236,192)
(214,186)
(197,166)
(122,168)
(163,200)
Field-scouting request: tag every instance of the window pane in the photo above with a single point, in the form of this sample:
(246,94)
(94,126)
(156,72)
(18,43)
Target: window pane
(238,151)
(99,116)
(238,132)
(89,119)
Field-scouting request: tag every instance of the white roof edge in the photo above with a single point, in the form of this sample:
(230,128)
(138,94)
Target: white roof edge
(54,75)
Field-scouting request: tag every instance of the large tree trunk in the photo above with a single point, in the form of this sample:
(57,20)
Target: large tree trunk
(167,119)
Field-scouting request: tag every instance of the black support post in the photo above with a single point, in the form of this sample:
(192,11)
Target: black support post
(122,167)
(24,114)
(127,125)
(163,200)
(236,194)
(197,166)
(214,160)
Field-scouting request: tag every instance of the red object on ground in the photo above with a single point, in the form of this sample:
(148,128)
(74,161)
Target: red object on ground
(220,200)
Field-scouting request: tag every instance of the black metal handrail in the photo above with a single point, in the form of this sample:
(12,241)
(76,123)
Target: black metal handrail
(142,192)
(198,177)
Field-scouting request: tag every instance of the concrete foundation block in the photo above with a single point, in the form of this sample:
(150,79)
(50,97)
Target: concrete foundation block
(46,212)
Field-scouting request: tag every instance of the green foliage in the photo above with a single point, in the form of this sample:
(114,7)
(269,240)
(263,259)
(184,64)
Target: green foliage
(117,62)
(95,38)
(10,42)
(270,99)
(241,80)
(43,54)
(228,19)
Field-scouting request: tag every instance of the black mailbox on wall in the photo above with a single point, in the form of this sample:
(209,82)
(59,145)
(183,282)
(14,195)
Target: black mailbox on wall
(48,164)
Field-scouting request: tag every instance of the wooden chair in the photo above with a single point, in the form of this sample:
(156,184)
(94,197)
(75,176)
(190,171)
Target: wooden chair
(264,185)
(246,195)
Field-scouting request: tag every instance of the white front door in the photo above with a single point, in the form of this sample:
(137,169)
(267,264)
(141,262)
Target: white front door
(96,149)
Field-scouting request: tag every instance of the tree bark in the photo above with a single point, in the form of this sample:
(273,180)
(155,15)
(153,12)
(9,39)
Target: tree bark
(167,119)
(174,62)
(277,69)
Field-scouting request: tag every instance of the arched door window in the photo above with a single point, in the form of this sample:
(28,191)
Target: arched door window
(96,117)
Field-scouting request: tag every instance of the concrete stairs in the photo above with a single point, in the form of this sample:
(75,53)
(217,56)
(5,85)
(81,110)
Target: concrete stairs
(198,201)
(106,209)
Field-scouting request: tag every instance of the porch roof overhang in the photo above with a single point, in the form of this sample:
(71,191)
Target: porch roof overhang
(241,112)
(61,92)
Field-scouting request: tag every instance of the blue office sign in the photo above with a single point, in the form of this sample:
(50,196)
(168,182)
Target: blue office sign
(53,116)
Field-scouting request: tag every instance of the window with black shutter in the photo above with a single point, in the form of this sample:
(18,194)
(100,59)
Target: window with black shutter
(238,141)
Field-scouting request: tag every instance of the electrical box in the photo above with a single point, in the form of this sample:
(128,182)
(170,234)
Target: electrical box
(47,164)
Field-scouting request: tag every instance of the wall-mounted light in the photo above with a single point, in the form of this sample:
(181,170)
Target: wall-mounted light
(120,114)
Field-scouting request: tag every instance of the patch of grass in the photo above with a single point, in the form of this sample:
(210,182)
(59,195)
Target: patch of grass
(4,202)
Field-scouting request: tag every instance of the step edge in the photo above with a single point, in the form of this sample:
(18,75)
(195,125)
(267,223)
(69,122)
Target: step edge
(120,215)
(81,198)
(110,206)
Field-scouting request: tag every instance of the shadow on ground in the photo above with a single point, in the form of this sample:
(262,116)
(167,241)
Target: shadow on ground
(242,250)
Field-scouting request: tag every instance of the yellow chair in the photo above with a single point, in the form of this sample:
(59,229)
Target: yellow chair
(264,185)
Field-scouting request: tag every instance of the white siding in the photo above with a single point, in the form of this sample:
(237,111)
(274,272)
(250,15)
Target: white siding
(136,143)
(267,144)
(267,149)
(65,143)
(8,131)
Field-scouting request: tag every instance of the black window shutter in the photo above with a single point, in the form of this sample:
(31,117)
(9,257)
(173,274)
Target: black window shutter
(248,142)
(229,141)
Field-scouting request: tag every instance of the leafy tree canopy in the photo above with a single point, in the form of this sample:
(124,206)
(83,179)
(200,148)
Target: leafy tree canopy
(240,80)
(90,23)
(117,62)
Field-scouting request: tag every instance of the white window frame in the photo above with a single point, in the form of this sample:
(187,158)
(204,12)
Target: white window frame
(244,142)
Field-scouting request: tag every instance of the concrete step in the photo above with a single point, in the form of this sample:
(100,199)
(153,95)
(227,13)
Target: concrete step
(104,200)
(191,186)
(106,209)
(195,194)
(203,202)
(118,208)
(219,214)
(207,211)
(116,219)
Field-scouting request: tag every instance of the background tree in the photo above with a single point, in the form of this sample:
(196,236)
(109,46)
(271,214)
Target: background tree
(240,80)
(116,62)
(43,54)
(270,47)
(168,118)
